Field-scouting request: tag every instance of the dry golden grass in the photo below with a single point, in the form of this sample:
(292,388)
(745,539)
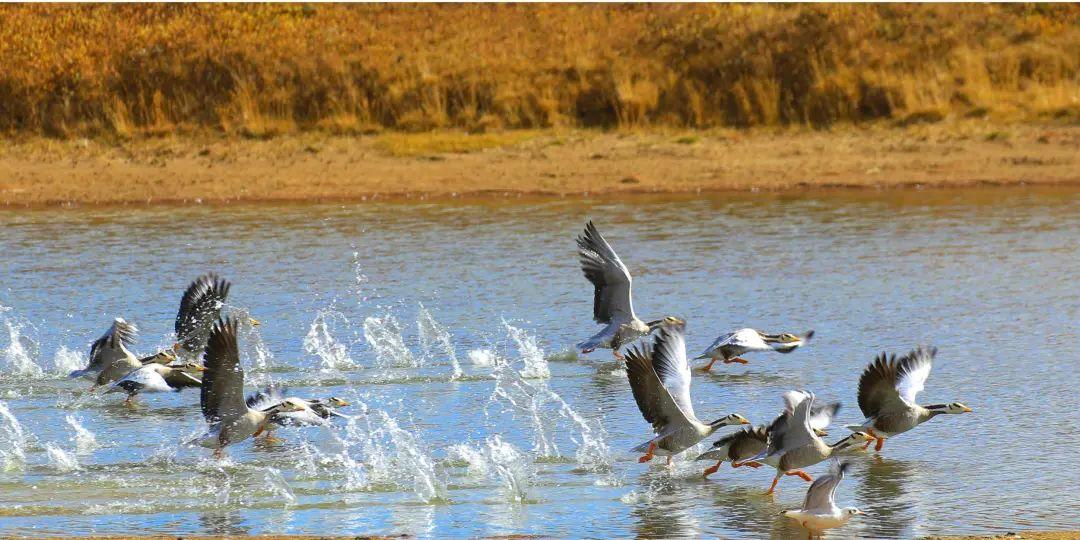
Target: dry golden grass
(261,70)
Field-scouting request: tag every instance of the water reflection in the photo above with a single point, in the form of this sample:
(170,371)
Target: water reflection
(224,523)
(883,494)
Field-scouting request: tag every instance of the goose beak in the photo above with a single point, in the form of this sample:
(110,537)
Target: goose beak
(254,321)
(744,421)
(176,347)
(199,368)
(968,409)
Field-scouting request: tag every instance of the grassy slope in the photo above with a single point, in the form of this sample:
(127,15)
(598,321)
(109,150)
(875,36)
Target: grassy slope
(262,70)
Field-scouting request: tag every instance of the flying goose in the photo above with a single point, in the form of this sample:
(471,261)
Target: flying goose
(660,380)
(794,444)
(158,377)
(312,412)
(222,394)
(819,510)
(887,390)
(748,442)
(729,346)
(109,358)
(200,307)
(612,305)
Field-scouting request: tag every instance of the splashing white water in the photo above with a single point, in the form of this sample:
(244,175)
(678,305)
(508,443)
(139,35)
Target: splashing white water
(510,466)
(85,442)
(482,357)
(321,342)
(536,367)
(383,334)
(19,357)
(66,360)
(435,339)
(278,485)
(13,440)
(61,459)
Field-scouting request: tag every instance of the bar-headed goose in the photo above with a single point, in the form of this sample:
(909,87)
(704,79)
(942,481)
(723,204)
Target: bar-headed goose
(729,346)
(109,357)
(749,442)
(612,305)
(222,393)
(794,444)
(158,377)
(819,510)
(200,307)
(312,412)
(660,380)
(887,390)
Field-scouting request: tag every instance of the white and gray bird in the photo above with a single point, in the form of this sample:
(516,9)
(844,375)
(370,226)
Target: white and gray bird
(819,510)
(659,377)
(222,394)
(794,442)
(887,390)
(729,347)
(311,412)
(749,442)
(612,305)
(158,377)
(109,357)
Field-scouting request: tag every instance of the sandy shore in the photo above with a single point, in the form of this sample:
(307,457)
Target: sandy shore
(44,172)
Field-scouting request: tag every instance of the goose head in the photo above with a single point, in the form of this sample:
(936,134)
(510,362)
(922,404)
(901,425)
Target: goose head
(336,402)
(859,437)
(729,420)
(785,343)
(666,321)
(949,408)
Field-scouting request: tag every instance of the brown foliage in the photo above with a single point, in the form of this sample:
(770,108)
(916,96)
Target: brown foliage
(261,70)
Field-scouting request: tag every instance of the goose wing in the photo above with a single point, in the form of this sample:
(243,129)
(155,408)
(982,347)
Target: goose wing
(821,497)
(657,403)
(177,378)
(199,308)
(111,346)
(222,392)
(723,340)
(890,384)
(821,415)
(266,398)
(792,429)
(609,276)
(145,379)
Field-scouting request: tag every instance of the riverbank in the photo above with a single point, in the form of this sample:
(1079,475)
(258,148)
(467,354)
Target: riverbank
(320,167)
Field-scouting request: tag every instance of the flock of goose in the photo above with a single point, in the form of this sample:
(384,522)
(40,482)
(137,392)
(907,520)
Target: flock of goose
(206,356)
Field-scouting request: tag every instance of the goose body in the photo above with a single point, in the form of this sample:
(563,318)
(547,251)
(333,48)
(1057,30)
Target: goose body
(109,357)
(659,378)
(156,377)
(887,390)
(612,303)
(729,347)
(819,510)
(308,412)
(793,440)
(221,396)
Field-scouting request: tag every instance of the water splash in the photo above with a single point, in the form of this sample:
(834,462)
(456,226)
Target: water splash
(398,455)
(320,341)
(510,466)
(383,334)
(536,367)
(13,440)
(361,280)
(66,360)
(483,357)
(19,357)
(435,336)
(278,485)
(61,459)
(85,442)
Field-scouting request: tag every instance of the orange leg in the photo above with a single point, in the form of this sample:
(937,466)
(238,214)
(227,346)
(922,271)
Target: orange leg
(735,360)
(870,432)
(800,474)
(618,355)
(880,443)
(712,469)
(648,454)
(259,431)
(218,454)
(709,367)
(773,486)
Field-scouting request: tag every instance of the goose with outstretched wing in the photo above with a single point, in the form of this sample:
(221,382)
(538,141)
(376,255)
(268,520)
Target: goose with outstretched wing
(158,377)
(659,378)
(311,412)
(109,357)
(612,304)
(729,347)
(794,442)
(887,390)
(200,308)
(221,398)
(819,510)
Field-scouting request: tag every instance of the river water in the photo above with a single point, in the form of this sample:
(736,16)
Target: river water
(449,327)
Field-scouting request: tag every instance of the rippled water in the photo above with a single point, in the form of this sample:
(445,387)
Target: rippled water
(448,326)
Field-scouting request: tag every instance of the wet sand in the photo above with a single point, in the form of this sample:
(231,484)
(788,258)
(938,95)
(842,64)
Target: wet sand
(561,163)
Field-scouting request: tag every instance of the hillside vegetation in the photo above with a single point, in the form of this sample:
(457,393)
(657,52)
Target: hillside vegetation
(263,70)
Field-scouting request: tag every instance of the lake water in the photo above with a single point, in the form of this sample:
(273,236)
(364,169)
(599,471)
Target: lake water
(449,326)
